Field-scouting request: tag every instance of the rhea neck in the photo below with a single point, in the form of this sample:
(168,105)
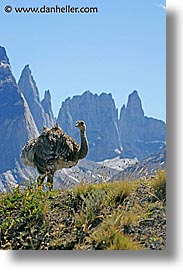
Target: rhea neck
(84,144)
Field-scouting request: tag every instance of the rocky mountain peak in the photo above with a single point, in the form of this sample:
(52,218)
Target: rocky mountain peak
(3,56)
(27,80)
(46,104)
(134,104)
(140,135)
(47,96)
(27,69)
(6,76)
(41,111)
(26,72)
(87,93)
(106,95)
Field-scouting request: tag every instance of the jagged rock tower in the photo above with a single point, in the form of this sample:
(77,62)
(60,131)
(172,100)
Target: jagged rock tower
(140,135)
(41,111)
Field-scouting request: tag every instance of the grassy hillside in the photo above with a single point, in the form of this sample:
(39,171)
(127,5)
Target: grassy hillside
(107,216)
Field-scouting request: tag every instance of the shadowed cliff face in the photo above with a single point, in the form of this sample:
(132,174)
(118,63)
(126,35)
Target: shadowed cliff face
(140,136)
(100,115)
(16,122)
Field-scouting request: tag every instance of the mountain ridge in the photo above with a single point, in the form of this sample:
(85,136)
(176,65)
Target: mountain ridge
(123,135)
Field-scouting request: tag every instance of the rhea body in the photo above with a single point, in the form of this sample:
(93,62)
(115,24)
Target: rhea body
(54,150)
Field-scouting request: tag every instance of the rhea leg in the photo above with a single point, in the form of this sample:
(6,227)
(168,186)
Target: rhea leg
(50,180)
(40,180)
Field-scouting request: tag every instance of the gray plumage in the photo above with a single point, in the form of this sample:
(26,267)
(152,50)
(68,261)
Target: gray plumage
(54,150)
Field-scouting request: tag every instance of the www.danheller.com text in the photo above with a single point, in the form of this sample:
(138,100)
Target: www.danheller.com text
(51,9)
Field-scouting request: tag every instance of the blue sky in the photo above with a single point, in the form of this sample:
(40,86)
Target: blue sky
(118,50)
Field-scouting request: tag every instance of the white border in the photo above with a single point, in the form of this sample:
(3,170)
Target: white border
(126,262)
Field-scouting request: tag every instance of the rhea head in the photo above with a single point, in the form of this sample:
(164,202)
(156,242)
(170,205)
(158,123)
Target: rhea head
(81,125)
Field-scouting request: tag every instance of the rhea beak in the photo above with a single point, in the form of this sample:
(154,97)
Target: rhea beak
(77,123)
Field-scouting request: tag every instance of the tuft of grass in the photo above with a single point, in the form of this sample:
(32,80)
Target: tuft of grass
(158,183)
(110,234)
(113,193)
